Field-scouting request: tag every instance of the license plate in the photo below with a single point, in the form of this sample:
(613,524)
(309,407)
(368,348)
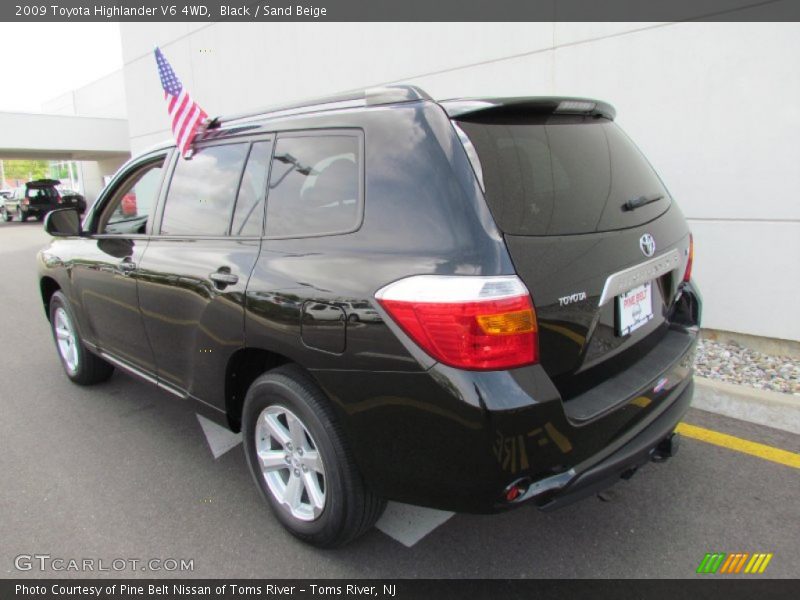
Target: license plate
(634,308)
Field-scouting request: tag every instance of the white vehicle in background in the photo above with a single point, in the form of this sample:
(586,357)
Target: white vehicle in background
(359,311)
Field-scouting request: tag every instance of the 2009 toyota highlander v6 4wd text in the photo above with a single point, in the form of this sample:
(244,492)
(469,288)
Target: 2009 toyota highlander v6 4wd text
(467,304)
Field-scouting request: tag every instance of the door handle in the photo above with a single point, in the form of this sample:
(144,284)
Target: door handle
(223,277)
(127,265)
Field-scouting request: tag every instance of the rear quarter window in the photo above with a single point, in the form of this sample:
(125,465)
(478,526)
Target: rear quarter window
(315,185)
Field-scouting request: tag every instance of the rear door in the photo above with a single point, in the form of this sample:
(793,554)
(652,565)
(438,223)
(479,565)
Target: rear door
(195,271)
(590,227)
(42,195)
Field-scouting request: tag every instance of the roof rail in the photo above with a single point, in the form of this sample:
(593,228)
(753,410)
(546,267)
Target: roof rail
(376,96)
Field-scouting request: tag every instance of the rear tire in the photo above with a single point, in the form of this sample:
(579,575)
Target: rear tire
(288,396)
(80,365)
(21,215)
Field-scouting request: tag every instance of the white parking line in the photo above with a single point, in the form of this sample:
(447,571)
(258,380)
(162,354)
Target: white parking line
(403,522)
(219,439)
(409,524)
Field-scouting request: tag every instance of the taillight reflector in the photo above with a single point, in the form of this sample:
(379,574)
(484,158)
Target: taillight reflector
(474,323)
(687,274)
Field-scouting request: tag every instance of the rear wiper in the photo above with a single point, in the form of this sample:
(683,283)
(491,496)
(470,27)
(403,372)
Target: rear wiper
(641,201)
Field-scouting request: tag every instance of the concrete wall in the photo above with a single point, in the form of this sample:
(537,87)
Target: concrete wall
(91,174)
(713,105)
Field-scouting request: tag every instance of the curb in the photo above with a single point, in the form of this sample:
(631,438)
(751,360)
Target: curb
(771,409)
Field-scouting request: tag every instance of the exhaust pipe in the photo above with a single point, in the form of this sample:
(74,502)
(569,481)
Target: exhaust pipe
(667,448)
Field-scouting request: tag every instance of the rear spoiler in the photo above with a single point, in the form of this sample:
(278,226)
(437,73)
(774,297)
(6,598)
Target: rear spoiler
(465,107)
(43,183)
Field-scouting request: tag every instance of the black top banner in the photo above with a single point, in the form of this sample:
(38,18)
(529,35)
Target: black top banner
(398,10)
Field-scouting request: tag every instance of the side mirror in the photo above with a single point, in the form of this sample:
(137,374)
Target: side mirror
(64,222)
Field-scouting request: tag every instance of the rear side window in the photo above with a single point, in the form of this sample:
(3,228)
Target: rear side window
(314,186)
(202,192)
(563,175)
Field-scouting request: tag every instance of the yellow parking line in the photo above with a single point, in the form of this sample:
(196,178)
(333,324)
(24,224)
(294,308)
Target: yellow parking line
(783,457)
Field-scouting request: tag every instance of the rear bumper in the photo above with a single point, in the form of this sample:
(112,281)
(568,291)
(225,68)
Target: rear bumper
(37,210)
(456,440)
(594,477)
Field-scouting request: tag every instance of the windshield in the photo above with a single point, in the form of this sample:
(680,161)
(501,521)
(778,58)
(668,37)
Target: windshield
(559,175)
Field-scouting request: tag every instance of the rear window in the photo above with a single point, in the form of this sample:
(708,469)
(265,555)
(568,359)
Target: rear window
(563,175)
(42,192)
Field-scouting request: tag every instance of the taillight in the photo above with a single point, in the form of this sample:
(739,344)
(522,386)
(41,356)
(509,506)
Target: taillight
(474,323)
(25,201)
(687,274)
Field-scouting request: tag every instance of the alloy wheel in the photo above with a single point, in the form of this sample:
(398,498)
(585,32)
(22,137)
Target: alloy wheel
(290,462)
(67,339)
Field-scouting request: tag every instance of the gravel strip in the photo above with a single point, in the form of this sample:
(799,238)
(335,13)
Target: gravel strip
(732,363)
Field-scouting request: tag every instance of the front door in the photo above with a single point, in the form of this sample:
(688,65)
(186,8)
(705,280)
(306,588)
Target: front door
(105,275)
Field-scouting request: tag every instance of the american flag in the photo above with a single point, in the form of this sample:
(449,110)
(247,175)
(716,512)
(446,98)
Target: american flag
(186,114)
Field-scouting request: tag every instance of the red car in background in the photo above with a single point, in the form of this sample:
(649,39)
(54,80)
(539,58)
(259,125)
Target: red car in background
(128,204)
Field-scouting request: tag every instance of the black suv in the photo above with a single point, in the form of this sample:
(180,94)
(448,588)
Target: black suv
(468,304)
(36,199)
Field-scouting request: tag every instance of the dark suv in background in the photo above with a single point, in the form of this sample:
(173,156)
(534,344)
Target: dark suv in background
(468,304)
(37,198)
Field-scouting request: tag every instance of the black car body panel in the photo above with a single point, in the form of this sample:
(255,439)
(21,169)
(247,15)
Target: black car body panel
(421,431)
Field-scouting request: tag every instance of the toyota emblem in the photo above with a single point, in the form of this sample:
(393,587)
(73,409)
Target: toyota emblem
(647,244)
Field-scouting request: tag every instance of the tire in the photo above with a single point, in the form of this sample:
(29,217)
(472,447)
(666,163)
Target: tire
(6,215)
(353,318)
(80,365)
(348,507)
(40,218)
(21,215)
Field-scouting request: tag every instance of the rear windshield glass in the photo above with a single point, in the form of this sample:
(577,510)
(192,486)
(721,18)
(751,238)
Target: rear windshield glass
(42,192)
(564,175)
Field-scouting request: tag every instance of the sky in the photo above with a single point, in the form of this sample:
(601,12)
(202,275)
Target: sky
(41,61)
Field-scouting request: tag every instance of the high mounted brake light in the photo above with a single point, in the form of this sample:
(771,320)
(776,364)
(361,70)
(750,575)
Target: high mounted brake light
(473,323)
(575,106)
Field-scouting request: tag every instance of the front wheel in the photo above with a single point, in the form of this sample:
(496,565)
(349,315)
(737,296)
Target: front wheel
(80,365)
(21,216)
(300,461)
(5,214)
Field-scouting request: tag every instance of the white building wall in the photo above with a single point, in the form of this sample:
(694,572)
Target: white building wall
(102,98)
(714,106)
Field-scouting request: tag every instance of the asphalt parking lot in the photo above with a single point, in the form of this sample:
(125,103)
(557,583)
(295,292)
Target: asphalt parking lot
(122,470)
